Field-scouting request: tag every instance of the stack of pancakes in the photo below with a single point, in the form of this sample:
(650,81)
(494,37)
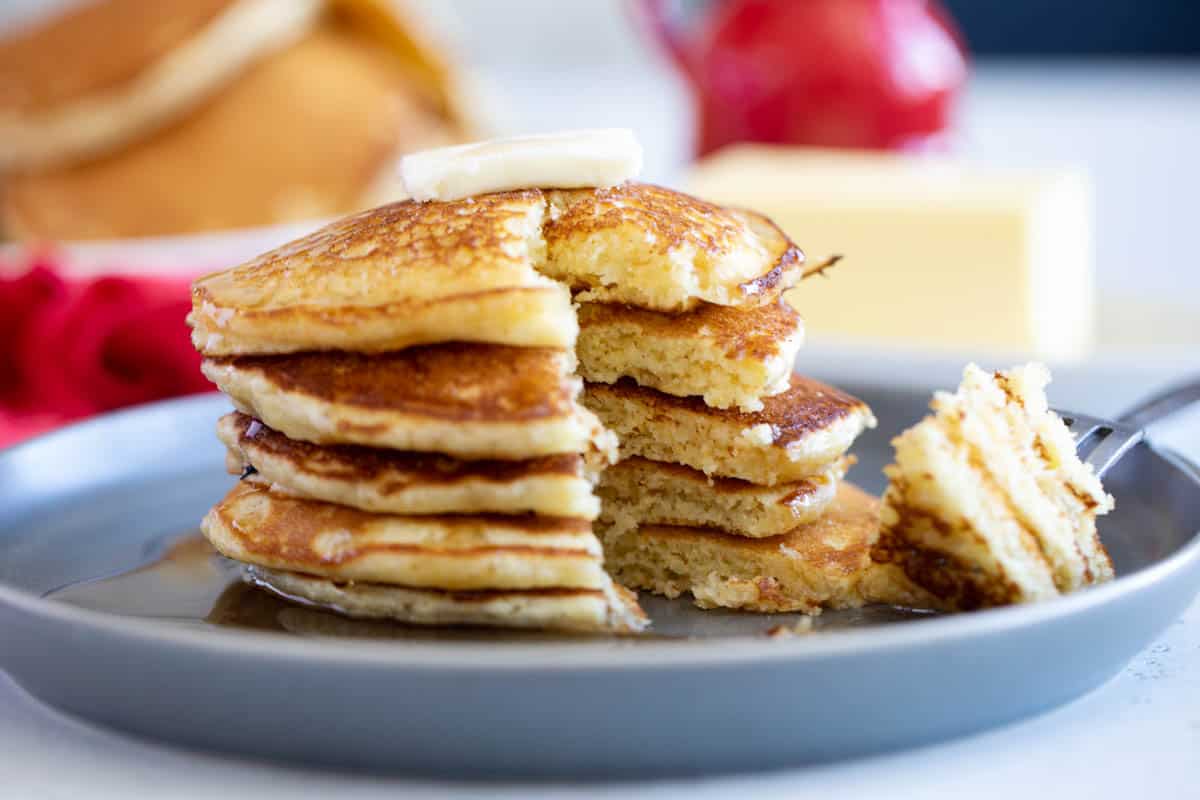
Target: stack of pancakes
(729,483)
(407,427)
(141,118)
(410,440)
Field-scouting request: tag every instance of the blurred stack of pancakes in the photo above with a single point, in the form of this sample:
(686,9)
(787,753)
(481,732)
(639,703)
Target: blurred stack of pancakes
(407,431)
(729,485)
(129,118)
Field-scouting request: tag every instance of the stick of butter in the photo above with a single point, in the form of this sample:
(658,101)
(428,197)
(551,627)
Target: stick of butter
(566,160)
(938,255)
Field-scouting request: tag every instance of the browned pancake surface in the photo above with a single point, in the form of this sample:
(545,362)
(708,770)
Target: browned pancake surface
(292,530)
(839,541)
(303,133)
(806,407)
(358,463)
(751,333)
(93,47)
(463,382)
(670,220)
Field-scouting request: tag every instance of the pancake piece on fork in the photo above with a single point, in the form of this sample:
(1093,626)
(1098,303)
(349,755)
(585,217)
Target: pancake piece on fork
(988,503)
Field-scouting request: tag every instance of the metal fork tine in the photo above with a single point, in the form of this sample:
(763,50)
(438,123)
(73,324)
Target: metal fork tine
(1086,430)
(1098,442)
(1116,444)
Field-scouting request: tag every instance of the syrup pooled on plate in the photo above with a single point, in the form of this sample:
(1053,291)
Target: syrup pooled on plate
(190,584)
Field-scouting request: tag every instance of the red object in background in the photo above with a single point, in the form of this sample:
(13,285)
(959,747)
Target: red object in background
(72,348)
(836,73)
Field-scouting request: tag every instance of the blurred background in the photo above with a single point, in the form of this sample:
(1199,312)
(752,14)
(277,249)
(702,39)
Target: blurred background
(1006,180)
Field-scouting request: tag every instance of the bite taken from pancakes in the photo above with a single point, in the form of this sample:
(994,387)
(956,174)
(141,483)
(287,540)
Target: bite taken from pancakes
(508,405)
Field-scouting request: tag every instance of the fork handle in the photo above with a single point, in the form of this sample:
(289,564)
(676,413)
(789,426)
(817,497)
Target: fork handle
(1162,404)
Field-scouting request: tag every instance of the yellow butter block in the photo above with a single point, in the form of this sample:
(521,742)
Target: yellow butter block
(938,254)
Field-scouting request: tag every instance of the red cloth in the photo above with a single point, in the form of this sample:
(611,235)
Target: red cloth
(70,348)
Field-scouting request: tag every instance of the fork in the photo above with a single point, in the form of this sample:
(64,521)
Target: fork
(1102,443)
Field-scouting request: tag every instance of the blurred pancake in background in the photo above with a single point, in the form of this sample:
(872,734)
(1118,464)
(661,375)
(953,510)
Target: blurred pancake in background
(216,114)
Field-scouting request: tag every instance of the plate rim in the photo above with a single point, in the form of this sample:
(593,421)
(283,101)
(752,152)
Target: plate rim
(602,653)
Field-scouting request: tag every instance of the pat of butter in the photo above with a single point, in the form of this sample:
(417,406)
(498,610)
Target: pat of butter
(937,254)
(567,160)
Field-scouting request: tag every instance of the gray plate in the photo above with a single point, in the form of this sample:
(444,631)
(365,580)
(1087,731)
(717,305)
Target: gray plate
(103,497)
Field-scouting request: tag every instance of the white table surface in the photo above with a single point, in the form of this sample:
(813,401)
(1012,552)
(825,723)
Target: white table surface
(1137,736)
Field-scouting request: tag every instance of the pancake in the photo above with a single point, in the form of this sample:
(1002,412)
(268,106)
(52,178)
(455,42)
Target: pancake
(638,491)
(732,357)
(988,504)
(255,525)
(796,435)
(819,565)
(468,401)
(105,73)
(396,276)
(659,249)
(391,481)
(348,109)
(612,610)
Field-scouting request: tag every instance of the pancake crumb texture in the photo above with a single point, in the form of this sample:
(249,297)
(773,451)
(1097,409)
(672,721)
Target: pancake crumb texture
(664,250)
(796,435)
(988,503)
(638,491)
(731,357)
(823,564)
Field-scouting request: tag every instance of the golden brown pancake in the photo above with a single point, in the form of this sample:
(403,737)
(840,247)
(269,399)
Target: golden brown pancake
(396,276)
(638,491)
(819,565)
(466,400)
(346,109)
(255,525)
(57,61)
(796,435)
(105,74)
(660,249)
(729,356)
(611,610)
(397,482)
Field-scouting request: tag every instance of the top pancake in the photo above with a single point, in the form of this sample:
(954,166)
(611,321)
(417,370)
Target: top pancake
(475,270)
(660,249)
(393,277)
